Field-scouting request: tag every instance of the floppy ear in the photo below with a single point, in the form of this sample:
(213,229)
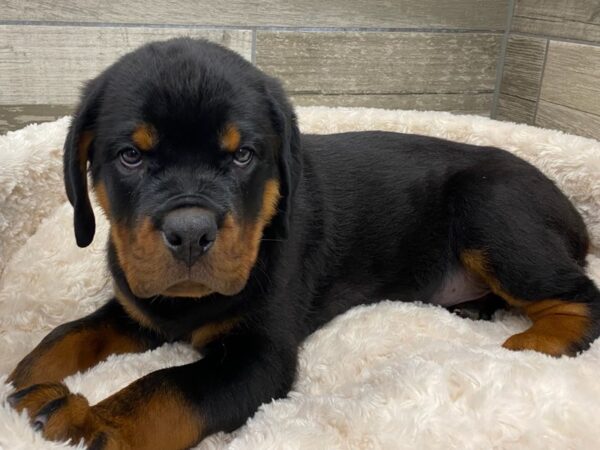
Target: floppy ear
(289,157)
(75,158)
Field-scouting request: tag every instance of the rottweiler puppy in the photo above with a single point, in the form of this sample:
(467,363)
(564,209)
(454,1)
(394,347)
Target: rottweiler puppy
(232,231)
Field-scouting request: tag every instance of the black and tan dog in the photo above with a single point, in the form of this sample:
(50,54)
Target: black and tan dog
(233,232)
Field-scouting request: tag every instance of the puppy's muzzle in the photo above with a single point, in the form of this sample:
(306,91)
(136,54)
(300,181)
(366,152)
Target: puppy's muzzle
(189,233)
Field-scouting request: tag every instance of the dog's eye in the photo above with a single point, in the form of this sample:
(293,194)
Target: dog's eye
(130,157)
(243,156)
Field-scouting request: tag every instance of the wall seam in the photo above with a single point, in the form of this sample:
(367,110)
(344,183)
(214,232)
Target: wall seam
(502,59)
(249,28)
(539,93)
(558,39)
(253,49)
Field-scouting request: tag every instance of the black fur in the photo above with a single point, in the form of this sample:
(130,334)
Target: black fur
(363,216)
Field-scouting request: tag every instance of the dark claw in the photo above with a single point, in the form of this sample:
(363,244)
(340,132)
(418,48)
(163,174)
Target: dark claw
(98,443)
(14,398)
(41,419)
(481,309)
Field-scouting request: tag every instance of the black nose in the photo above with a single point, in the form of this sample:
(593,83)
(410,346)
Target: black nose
(189,233)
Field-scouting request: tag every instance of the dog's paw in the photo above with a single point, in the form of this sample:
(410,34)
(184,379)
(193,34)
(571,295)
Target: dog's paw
(61,415)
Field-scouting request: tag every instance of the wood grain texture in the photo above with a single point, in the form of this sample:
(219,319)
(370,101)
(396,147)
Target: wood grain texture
(569,120)
(48,64)
(13,117)
(479,104)
(572,76)
(466,14)
(575,19)
(523,67)
(380,63)
(515,109)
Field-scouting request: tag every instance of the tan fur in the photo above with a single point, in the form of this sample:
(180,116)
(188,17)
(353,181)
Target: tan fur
(476,262)
(144,137)
(151,417)
(75,352)
(70,420)
(557,324)
(144,258)
(83,148)
(211,331)
(166,420)
(141,253)
(230,139)
(127,303)
(236,248)
(150,268)
(187,289)
(102,197)
(38,396)
(132,310)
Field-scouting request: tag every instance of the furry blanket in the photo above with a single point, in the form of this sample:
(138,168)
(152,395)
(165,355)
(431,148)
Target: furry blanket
(390,375)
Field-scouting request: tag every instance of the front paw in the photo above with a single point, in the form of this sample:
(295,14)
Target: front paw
(62,416)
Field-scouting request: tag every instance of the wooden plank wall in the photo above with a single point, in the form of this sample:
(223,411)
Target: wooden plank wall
(551,75)
(413,54)
(409,54)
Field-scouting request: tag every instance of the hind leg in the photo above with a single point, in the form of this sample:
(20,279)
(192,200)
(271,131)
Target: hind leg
(553,291)
(520,235)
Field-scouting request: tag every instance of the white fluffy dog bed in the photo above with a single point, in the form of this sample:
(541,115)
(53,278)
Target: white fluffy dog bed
(391,375)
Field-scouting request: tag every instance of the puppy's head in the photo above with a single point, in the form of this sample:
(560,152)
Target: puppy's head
(193,154)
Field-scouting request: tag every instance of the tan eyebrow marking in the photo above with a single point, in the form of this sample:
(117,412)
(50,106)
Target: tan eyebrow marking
(144,136)
(231,137)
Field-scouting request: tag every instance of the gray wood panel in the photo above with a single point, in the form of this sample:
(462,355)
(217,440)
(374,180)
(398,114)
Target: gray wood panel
(469,14)
(515,109)
(575,19)
(380,63)
(569,120)
(523,67)
(479,104)
(48,64)
(13,117)
(572,75)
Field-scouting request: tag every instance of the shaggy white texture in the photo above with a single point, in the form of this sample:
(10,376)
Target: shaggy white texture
(391,375)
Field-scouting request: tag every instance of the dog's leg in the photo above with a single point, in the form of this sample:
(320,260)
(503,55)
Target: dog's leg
(561,301)
(515,230)
(172,408)
(78,345)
